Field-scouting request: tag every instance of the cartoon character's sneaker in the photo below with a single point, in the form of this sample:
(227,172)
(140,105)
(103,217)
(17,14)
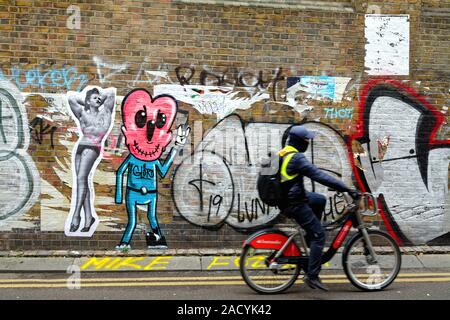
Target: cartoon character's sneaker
(155,241)
(124,247)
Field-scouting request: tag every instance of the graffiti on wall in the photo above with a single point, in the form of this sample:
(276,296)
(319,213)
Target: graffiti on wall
(64,78)
(214,185)
(217,183)
(40,127)
(19,179)
(93,111)
(186,74)
(400,161)
(221,101)
(146,126)
(338,113)
(403,163)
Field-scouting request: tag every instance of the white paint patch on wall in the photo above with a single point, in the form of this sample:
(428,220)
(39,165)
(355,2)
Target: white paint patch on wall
(387,44)
(221,101)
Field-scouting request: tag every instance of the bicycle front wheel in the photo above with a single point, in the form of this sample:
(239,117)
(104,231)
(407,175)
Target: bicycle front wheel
(264,277)
(372,273)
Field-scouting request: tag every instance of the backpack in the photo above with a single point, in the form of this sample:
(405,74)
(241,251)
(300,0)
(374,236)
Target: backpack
(269,182)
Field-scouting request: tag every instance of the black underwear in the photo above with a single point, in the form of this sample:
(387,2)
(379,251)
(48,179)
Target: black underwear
(82,147)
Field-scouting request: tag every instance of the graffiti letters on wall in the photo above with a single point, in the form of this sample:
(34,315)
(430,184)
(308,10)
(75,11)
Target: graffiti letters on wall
(65,78)
(217,184)
(403,163)
(19,179)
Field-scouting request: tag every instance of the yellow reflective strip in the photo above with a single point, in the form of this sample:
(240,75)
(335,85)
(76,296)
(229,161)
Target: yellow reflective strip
(284,175)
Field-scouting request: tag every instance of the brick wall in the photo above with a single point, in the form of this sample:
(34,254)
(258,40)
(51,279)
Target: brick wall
(251,49)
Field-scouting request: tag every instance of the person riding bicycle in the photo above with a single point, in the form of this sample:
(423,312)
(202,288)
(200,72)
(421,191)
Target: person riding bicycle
(306,207)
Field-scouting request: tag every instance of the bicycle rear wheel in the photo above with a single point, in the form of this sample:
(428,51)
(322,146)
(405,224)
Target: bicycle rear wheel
(254,267)
(365,273)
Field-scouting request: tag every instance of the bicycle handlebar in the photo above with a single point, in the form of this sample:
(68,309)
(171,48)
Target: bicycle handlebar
(370,205)
(367,202)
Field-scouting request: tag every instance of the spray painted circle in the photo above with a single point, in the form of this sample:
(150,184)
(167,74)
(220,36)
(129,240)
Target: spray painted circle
(11,125)
(203,189)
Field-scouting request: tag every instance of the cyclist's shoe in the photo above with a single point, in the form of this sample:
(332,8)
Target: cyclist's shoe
(315,283)
(155,241)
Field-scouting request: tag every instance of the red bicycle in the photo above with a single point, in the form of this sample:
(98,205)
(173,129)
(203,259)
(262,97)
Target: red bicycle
(271,260)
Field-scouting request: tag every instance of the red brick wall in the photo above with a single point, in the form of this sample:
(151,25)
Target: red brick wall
(222,39)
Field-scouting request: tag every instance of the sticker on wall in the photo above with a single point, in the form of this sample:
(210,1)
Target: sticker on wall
(387,44)
(93,110)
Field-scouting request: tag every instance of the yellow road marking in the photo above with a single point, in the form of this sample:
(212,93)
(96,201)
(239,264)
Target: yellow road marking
(189,283)
(136,279)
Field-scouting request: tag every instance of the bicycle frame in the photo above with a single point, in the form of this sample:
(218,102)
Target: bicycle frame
(288,251)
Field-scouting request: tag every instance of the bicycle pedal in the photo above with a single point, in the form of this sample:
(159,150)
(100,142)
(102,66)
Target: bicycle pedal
(274,266)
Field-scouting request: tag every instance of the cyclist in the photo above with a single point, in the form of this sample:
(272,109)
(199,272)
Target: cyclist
(306,207)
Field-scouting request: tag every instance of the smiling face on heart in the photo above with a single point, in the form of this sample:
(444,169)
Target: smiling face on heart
(147,122)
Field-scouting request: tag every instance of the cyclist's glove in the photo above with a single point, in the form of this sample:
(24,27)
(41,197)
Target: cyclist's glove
(355,194)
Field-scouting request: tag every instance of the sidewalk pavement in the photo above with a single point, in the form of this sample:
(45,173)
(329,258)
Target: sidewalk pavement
(179,260)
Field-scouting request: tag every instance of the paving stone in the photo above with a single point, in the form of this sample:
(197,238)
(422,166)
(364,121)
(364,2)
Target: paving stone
(435,261)
(35,264)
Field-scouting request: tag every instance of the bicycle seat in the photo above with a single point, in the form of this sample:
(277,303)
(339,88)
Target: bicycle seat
(291,230)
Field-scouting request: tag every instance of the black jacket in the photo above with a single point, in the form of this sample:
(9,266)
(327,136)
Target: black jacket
(294,189)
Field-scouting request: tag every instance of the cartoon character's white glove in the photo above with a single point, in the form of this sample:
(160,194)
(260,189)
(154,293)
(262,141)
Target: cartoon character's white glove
(182,135)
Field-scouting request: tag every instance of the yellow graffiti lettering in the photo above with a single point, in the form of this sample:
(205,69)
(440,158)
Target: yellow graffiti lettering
(216,262)
(257,263)
(109,266)
(128,263)
(158,261)
(98,263)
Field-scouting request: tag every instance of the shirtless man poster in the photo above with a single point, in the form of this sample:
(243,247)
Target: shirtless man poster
(93,110)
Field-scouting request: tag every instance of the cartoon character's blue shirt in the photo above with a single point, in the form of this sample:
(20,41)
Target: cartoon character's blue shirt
(141,174)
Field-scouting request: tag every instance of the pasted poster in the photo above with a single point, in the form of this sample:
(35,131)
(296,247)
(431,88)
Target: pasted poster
(387,44)
(317,87)
(93,111)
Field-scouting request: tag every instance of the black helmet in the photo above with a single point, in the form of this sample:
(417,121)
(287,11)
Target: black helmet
(301,132)
(299,137)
